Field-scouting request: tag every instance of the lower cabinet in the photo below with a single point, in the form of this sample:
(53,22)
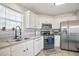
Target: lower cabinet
(29,48)
(23,49)
(38,45)
(5,51)
(57,40)
(42,43)
(18,50)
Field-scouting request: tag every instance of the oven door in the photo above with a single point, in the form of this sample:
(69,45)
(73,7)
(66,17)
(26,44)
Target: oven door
(48,44)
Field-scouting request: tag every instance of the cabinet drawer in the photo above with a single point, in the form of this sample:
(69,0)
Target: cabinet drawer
(38,45)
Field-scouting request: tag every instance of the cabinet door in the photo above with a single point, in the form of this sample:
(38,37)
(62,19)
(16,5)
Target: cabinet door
(41,42)
(5,51)
(18,50)
(29,48)
(27,19)
(30,19)
(57,41)
(36,46)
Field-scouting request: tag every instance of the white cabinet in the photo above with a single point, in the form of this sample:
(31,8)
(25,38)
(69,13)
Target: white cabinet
(5,51)
(57,40)
(23,49)
(29,48)
(41,43)
(30,20)
(38,45)
(18,50)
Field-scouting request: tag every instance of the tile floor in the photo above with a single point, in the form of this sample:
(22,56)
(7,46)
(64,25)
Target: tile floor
(57,52)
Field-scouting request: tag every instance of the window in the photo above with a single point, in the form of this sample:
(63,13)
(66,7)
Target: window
(9,18)
(2,11)
(2,23)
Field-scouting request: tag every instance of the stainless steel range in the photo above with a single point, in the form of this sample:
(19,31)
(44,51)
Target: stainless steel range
(48,35)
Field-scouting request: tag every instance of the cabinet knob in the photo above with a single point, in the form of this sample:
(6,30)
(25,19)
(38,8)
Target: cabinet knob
(27,49)
(24,50)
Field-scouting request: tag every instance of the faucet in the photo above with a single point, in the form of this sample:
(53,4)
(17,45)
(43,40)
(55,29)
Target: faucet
(16,32)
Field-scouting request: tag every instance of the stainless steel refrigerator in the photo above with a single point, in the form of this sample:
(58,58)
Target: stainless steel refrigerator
(69,35)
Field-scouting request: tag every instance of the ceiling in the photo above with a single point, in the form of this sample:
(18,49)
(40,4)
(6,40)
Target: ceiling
(45,8)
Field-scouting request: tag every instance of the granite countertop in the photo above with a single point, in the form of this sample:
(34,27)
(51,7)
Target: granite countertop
(10,42)
(32,37)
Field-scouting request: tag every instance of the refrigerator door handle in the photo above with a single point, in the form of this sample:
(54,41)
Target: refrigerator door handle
(65,31)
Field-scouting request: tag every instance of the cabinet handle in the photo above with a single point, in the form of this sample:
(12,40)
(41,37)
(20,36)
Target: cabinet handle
(27,49)
(38,39)
(24,50)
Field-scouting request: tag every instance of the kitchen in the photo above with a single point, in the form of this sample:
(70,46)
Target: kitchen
(38,29)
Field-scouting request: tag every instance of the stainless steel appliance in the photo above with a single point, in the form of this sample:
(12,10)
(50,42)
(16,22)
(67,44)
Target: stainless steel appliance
(47,33)
(46,26)
(48,45)
(69,35)
(56,31)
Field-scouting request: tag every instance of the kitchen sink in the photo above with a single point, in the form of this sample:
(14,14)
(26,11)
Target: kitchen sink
(17,40)
(13,40)
(26,38)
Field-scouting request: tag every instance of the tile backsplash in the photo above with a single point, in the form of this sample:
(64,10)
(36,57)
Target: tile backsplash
(7,34)
(25,33)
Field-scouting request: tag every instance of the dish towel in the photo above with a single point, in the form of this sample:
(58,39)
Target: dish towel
(50,40)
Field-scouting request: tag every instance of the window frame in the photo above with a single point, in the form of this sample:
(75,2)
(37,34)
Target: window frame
(12,20)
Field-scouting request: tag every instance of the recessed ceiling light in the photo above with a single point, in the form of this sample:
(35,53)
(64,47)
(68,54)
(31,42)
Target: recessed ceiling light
(56,4)
(59,3)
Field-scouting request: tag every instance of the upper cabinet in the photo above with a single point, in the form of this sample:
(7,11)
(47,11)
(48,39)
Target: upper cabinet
(30,20)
